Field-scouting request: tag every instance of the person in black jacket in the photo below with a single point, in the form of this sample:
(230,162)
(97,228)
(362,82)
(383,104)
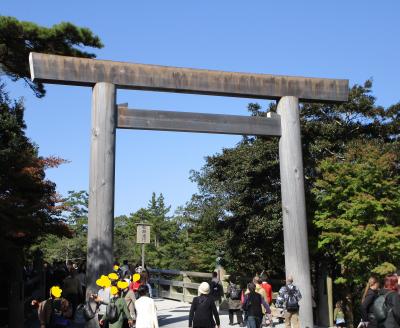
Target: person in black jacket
(203,310)
(369,296)
(252,305)
(392,302)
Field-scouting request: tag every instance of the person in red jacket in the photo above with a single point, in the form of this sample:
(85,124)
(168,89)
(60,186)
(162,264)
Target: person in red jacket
(268,288)
(135,284)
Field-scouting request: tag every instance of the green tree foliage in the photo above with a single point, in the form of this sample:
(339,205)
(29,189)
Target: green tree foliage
(72,247)
(242,184)
(239,200)
(125,247)
(200,241)
(164,250)
(18,39)
(358,211)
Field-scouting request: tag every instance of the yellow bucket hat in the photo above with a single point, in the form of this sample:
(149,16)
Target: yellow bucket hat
(113,276)
(122,284)
(56,291)
(104,281)
(107,282)
(114,290)
(136,277)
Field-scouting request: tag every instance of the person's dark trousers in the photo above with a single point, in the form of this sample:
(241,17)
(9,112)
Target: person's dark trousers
(254,322)
(239,316)
(74,300)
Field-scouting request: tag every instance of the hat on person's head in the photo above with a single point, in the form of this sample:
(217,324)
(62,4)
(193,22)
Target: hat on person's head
(113,276)
(114,290)
(204,288)
(104,281)
(56,291)
(122,284)
(136,277)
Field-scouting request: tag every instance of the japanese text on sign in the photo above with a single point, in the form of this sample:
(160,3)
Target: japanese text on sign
(143,234)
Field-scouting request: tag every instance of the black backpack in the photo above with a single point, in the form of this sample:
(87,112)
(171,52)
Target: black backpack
(380,308)
(234,293)
(215,289)
(292,304)
(57,319)
(112,312)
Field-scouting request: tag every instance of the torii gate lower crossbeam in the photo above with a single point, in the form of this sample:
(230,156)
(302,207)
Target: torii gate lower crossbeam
(106,76)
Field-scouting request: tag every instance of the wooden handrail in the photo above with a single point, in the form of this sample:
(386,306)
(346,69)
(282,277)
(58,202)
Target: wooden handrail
(168,288)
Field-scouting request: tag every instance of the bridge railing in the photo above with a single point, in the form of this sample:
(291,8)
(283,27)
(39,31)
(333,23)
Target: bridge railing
(177,285)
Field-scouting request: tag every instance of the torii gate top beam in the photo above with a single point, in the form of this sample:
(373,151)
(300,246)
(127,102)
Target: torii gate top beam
(87,72)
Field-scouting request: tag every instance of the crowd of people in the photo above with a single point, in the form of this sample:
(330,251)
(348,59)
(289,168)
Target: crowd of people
(124,299)
(251,305)
(380,304)
(380,307)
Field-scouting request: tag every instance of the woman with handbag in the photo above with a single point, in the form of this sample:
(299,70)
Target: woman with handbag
(130,299)
(116,310)
(102,298)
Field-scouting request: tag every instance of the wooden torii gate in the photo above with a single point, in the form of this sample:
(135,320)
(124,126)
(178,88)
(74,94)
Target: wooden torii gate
(106,76)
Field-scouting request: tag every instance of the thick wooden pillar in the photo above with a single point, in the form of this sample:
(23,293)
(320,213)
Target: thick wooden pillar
(15,288)
(297,261)
(101,184)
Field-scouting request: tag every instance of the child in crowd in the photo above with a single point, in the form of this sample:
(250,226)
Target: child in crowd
(338,315)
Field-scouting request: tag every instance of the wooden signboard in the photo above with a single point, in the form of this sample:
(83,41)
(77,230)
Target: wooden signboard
(143,234)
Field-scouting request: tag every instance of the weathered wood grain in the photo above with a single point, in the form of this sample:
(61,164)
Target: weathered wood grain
(197,122)
(294,206)
(83,71)
(101,184)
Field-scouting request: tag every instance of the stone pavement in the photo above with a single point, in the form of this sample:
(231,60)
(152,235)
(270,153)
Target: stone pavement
(174,314)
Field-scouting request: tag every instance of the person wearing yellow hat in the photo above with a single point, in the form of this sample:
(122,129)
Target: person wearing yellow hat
(117,269)
(102,298)
(56,291)
(54,309)
(129,297)
(113,276)
(121,309)
(135,284)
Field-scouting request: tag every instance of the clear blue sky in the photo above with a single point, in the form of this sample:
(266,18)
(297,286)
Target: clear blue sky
(335,39)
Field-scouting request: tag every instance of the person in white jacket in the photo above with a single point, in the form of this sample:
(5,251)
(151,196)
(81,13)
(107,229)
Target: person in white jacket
(146,312)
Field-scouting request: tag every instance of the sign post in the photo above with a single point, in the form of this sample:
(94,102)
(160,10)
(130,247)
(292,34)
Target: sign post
(143,236)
